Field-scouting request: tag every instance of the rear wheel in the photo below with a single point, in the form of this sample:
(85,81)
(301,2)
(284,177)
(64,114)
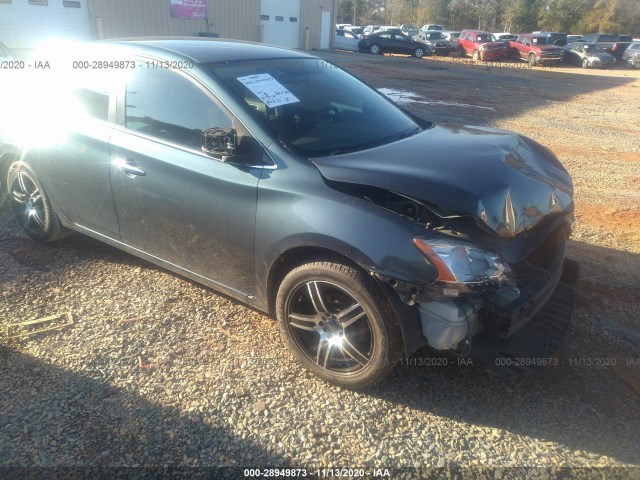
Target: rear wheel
(338,323)
(375,49)
(31,206)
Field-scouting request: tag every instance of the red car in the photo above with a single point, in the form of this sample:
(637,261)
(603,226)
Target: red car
(536,50)
(481,45)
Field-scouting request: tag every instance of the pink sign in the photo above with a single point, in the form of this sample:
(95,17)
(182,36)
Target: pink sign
(189,8)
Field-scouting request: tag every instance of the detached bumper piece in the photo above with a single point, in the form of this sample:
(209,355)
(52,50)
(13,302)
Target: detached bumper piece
(533,345)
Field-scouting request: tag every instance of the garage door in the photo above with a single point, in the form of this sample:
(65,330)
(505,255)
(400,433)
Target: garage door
(280,20)
(29,23)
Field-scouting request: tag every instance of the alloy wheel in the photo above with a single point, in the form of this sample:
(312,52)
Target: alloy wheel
(29,202)
(330,327)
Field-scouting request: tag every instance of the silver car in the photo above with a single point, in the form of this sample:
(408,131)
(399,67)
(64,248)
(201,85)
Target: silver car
(588,55)
(631,55)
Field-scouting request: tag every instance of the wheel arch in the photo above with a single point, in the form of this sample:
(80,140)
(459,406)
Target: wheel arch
(406,316)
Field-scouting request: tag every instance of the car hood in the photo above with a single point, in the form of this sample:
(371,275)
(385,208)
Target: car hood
(507,181)
(600,55)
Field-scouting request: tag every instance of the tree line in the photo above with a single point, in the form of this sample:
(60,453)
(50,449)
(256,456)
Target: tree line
(515,16)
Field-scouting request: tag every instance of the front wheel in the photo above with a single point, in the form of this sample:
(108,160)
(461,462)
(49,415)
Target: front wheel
(418,52)
(31,206)
(476,56)
(532,60)
(338,323)
(586,63)
(375,49)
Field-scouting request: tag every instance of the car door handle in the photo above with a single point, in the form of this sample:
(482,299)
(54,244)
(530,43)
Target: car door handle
(129,167)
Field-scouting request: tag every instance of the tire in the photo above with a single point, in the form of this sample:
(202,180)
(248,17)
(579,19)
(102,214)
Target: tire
(338,323)
(532,60)
(419,52)
(585,63)
(475,56)
(375,49)
(31,205)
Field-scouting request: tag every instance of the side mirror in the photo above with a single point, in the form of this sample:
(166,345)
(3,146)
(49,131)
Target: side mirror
(220,142)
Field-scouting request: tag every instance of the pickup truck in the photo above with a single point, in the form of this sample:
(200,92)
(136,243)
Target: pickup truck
(536,50)
(613,44)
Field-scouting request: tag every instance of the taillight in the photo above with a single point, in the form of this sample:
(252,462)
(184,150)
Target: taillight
(615,47)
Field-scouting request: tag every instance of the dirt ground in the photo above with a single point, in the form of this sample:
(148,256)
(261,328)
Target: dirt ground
(158,370)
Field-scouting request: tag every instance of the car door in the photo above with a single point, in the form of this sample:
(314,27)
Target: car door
(402,43)
(173,201)
(77,170)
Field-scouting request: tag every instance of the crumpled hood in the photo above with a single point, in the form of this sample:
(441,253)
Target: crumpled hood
(508,181)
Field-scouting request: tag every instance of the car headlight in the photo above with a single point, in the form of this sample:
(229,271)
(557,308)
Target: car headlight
(463,267)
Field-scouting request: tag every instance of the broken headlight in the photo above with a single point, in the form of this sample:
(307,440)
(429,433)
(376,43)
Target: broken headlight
(463,267)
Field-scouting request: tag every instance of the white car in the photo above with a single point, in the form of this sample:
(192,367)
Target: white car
(346,40)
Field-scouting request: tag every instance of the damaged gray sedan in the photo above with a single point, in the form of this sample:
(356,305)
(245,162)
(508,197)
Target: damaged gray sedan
(282,181)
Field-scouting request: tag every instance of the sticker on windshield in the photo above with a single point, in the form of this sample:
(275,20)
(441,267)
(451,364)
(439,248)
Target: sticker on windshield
(268,89)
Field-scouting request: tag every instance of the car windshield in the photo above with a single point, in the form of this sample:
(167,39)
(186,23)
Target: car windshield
(592,48)
(540,40)
(313,107)
(434,35)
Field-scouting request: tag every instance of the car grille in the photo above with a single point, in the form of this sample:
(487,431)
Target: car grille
(552,54)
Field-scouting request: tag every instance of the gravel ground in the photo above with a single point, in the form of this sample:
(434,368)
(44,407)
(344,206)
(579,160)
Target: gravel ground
(156,370)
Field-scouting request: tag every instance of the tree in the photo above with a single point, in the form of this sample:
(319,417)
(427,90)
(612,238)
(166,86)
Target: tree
(520,16)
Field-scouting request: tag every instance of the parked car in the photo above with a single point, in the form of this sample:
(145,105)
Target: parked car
(504,36)
(286,183)
(342,26)
(345,40)
(390,28)
(614,44)
(536,50)
(432,26)
(553,38)
(409,30)
(588,55)
(369,29)
(631,55)
(392,42)
(358,31)
(481,45)
(436,40)
(574,38)
(452,38)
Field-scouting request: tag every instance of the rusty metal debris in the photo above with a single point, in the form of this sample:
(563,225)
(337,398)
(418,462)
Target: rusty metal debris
(47,324)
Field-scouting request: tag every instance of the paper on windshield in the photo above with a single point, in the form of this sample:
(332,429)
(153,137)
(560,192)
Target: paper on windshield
(268,89)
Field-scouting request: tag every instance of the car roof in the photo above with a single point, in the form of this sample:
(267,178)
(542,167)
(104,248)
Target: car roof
(476,31)
(205,50)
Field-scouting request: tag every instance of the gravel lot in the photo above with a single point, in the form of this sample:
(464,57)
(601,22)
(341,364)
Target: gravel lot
(157,370)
